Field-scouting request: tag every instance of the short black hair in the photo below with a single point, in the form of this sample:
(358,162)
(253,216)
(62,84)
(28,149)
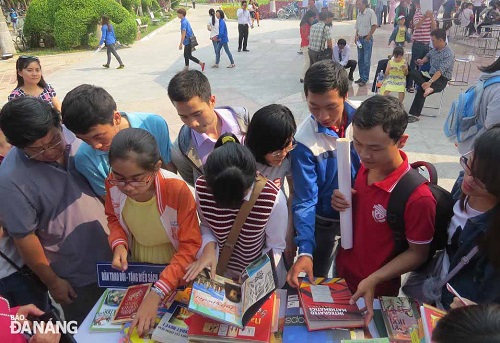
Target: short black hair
(385,111)
(243,2)
(398,51)
(188,84)
(323,16)
(25,120)
(230,171)
(136,143)
(341,41)
(439,34)
(271,128)
(324,76)
(87,106)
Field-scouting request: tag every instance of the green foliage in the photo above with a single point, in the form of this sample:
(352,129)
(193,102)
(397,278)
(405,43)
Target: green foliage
(230,11)
(71,22)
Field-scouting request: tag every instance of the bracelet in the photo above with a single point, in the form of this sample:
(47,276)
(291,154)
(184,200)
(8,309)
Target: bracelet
(158,291)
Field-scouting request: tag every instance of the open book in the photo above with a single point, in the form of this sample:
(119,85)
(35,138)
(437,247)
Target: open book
(226,301)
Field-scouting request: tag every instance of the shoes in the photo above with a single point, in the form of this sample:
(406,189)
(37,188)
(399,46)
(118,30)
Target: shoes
(202,64)
(412,118)
(411,90)
(246,50)
(231,65)
(301,80)
(121,66)
(351,78)
(214,66)
(362,83)
(105,65)
(358,80)
(239,49)
(300,52)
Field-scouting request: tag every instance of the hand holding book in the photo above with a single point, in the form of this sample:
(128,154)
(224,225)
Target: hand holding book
(208,259)
(366,290)
(145,319)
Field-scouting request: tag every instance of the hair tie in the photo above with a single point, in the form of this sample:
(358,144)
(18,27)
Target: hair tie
(228,139)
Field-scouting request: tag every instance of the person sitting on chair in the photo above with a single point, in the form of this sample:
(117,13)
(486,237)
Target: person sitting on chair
(341,54)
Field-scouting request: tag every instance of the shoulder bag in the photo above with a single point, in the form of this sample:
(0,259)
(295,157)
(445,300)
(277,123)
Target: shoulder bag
(325,53)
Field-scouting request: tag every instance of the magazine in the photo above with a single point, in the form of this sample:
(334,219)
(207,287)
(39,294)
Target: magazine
(110,300)
(430,316)
(172,327)
(401,317)
(229,302)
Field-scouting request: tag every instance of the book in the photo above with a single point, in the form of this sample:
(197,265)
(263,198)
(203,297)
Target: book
(229,302)
(130,303)
(257,330)
(325,302)
(173,327)
(430,316)
(281,300)
(295,328)
(110,300)
(368,340)
(401,317)
(134,338)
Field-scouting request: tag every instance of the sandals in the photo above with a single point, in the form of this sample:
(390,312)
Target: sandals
(231,66)
(214,66)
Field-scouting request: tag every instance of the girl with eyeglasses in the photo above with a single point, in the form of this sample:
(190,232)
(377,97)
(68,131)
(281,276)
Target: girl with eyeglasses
(270,139)
(30,82)
(152,214)
(476,223)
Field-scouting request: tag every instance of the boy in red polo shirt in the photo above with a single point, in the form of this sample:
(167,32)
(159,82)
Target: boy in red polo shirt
(370,267)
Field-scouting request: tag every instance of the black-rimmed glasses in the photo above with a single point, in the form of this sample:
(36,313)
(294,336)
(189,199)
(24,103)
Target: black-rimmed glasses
(123,183)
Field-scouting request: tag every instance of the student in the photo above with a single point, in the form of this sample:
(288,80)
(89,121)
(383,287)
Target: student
(341,54)
(192,97)
(109,39)
(270,139)
(222,41)
(186,34)
(151,213)
(400,34)
(91,114)
(475,220)
(48,208)
(370,267)
(395,74)
(471,324)
(314,168)
(229,180)
(213,27)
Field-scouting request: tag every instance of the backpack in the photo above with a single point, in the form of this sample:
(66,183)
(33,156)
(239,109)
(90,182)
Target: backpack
(397,204)
(462,121)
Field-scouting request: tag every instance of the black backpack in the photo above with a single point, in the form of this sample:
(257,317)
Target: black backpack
(397,204)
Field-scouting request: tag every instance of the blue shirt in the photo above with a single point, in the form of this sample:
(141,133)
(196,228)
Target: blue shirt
(186,26)
(107,35)
(94,164)
(223,31)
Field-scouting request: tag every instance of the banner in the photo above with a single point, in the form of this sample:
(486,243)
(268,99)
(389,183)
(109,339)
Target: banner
(136,273)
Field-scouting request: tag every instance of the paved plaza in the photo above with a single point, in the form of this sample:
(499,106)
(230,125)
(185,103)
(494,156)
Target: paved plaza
(269,73)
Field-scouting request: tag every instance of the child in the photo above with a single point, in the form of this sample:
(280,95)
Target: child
(371,268)
(151,213)
(400,34)
(395,74)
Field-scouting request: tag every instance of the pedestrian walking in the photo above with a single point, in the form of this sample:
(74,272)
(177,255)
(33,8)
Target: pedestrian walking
(222,41)
(187,40)
(213,27)
(108,38)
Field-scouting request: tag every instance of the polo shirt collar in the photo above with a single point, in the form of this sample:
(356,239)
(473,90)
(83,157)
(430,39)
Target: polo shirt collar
(326,130)
(393,178)
(201,138)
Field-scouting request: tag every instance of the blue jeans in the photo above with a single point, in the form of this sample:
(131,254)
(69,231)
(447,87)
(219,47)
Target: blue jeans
(418,51)
(214,43)
(364,58)
(226,49)
(19,290)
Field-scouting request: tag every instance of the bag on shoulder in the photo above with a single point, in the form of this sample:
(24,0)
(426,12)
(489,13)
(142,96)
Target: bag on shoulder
(193,41)
(456,18)
(397,205)
(462,121)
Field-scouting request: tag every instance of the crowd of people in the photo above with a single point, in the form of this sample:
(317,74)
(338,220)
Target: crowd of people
(82,176)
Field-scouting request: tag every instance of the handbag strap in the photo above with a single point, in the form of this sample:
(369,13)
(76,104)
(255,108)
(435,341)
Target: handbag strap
(463,261)
(240,219)
(11,262)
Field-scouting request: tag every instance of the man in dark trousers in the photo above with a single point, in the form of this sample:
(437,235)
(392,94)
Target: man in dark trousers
(244,21)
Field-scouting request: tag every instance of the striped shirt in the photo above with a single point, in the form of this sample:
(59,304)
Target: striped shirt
(423,33)
(265,226)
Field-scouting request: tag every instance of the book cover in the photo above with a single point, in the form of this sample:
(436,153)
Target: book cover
(110,301)
(401,317)
(130,303)
(258,329)
(326,304)
(368,340)
(224,300)
(430,316)
(295,328)
(173,327)
(134,338)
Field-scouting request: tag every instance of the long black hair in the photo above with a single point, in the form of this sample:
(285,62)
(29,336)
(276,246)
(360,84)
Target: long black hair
(495,66)
(22,63)
(211,12)
(305,19)
(105,21)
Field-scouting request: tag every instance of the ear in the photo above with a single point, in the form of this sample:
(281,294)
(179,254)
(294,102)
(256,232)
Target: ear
(117,118)
(402,141)
(158,165)
(212,101)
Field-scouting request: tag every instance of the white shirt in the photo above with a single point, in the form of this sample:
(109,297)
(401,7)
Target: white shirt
(365,21)
(214,29)
(346,53)
(478,3)
(276,174)
(465,17)
(243,17)
(250,8)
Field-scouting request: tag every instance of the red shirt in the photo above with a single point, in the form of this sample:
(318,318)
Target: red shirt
(373,238)
(304,35)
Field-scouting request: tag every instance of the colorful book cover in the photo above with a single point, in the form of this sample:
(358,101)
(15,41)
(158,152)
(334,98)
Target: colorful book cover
(295,328)
(130,303)
(258,329)
(368,340)
(224,300)
(134,338)
(430,316)
(173,327)
(110,301)
(326,304)
(401,317)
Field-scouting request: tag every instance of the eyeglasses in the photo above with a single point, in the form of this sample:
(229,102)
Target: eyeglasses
(41,151)
(122,183)
(464,162)
(26,57)
(285,151)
